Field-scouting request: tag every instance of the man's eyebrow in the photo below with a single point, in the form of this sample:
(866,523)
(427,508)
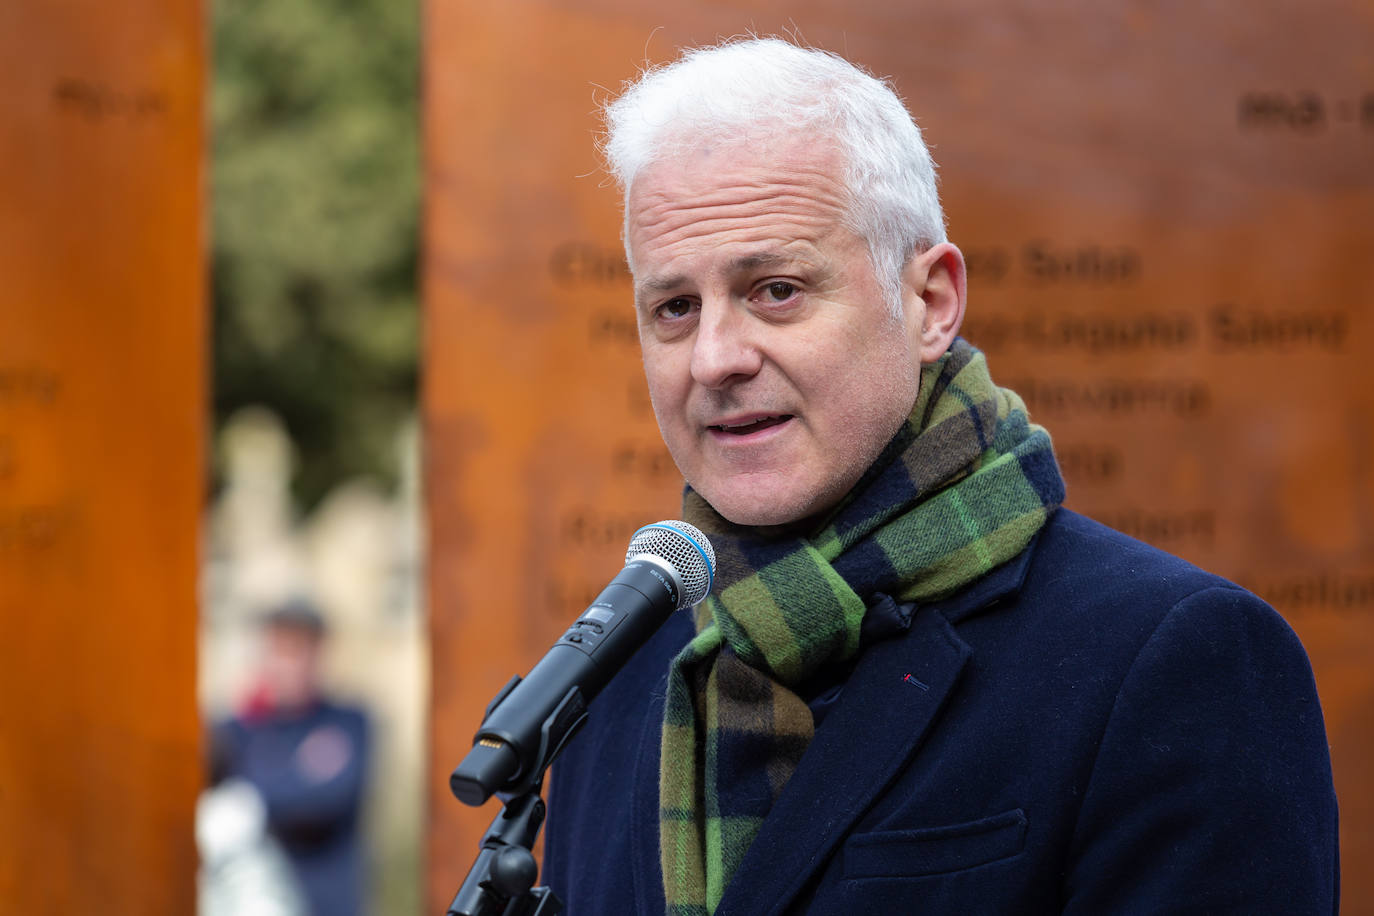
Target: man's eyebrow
(661,284)
(761,259)
(743,262)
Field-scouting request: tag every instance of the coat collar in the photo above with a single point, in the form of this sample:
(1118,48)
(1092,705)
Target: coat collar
(991,590)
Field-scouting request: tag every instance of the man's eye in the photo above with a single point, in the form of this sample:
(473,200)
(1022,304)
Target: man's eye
(780,291)
(675,308)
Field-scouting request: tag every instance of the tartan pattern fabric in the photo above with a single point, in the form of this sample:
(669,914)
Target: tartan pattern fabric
(962,488)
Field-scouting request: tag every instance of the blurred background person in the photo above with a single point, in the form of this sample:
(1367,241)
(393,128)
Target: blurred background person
(307,757)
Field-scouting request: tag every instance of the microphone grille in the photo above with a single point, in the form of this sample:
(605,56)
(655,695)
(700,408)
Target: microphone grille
(685,549)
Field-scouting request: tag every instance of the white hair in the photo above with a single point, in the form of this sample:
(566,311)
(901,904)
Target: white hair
(769,86)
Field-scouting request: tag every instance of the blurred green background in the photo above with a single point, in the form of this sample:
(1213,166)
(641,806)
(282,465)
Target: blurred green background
(315,202)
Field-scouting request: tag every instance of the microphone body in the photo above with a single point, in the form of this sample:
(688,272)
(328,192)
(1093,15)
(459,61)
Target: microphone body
(531,719)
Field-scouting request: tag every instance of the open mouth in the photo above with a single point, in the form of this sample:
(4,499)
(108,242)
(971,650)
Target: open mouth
(751,426)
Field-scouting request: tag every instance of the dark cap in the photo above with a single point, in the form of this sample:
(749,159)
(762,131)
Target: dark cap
(295,614)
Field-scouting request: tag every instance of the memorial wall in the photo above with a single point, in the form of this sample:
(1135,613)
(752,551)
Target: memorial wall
(102,405)
(1168,216)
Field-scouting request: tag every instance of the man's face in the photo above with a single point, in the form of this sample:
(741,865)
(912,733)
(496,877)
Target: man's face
(776,369)
(290,665)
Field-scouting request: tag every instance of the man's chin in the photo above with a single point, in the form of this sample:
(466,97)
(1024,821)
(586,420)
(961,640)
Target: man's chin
(761,507)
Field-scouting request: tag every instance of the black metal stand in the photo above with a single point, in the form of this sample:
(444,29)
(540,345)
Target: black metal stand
(500,882)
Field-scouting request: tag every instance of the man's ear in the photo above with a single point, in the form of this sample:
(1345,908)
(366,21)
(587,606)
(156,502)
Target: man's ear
(939,277)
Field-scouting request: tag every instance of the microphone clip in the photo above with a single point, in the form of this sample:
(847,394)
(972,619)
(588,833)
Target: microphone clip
(488,766)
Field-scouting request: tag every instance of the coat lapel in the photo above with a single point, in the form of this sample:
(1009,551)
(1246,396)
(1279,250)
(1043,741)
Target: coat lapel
(887,706)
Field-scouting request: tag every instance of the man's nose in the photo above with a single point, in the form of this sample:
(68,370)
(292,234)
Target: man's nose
(724,349)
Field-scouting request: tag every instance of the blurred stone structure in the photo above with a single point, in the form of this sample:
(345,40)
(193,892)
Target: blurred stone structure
(357,556)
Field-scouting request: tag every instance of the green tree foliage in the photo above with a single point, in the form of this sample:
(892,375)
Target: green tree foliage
(315,204)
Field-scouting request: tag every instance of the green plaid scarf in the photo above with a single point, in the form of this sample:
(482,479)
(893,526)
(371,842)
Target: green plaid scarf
(962,488)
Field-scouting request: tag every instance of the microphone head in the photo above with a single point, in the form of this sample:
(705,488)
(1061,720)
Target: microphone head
(685,549)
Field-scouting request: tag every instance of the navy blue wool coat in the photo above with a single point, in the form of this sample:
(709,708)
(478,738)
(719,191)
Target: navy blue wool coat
(1095,727)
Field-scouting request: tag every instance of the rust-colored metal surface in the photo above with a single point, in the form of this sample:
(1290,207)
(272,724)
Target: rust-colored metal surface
(102,404)
(1168,212)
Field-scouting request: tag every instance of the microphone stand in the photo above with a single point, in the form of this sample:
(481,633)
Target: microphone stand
(500,881)
(502,877)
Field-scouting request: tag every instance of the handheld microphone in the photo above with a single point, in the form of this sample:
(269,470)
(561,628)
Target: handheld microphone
(669,565)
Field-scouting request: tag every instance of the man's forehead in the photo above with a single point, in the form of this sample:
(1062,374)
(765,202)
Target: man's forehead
(669,201)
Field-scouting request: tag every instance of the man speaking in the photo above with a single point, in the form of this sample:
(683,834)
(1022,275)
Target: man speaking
(919,686)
